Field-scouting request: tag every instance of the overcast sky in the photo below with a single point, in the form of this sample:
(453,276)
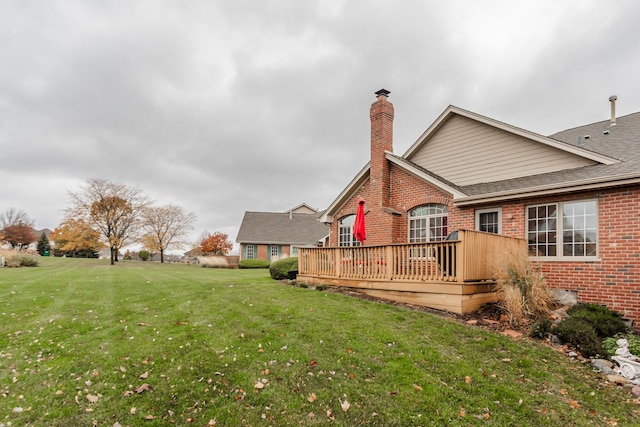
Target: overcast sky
(224,107)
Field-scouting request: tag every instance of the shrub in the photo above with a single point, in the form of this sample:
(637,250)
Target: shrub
(254,263)
(144,255)
(541,328)
(21,260)
(521,287)
(581,336)
(610,344)
(604,321)
(279,269)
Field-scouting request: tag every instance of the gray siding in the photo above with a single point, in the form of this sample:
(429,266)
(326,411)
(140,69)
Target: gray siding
(467,152)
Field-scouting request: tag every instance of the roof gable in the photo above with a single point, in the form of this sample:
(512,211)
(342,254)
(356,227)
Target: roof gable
(466,148)
(303,208)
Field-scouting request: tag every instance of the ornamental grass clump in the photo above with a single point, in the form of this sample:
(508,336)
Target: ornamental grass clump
(19,259)
(213,262)
(521,287)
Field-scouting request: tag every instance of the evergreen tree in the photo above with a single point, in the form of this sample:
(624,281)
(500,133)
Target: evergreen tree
(43,244)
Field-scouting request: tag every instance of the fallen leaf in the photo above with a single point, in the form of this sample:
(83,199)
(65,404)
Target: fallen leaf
(59,392)
(144,387)
(92,398)
(313,363)
(417,387)
(574,404)
(149,417)
(467,379)
(127,393)
(133,410)
(312,397)
(563,391)
(345,405)
(144,376)
(259,385)
(330,415)
(462,413)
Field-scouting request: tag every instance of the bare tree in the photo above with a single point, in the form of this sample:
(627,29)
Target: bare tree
(13,216)
(113,209)
(166,226)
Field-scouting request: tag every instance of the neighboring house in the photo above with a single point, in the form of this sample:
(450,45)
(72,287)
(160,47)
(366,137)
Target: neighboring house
(275,235)
(574,196)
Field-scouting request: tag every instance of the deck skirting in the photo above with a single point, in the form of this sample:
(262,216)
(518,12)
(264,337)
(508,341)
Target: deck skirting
(454,297)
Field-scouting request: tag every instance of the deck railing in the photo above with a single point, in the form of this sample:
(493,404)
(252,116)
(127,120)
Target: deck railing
(467,259)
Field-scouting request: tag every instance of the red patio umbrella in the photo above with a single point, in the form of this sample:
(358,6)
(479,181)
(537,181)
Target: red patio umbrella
(359,230)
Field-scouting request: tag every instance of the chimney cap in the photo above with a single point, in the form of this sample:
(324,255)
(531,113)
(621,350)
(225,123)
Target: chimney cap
(383,92)
(613,98)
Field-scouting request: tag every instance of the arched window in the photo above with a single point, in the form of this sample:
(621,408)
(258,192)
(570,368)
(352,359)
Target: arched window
(345,232)
(428,223)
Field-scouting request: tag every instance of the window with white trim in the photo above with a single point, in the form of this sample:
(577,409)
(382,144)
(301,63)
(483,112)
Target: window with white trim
(345,232)
(489,220)
(428,223)
(575,236)
(250,251)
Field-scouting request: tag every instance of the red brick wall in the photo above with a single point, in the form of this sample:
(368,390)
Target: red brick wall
(613,279)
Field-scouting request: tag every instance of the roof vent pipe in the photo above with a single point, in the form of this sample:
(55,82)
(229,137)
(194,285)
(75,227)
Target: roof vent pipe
(612,100)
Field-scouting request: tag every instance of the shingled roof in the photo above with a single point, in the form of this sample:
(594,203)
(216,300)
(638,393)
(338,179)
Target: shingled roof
(621,142)
(282,228)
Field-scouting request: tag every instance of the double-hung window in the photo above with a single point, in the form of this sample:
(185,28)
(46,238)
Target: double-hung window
(566,230)
(250,252)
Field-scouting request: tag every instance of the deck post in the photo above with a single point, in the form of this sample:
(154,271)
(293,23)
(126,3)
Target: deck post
(390,262)
(337,261)
(460,258)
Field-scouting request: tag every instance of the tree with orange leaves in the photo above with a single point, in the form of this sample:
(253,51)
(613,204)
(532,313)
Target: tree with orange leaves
(215,244)
(76,238)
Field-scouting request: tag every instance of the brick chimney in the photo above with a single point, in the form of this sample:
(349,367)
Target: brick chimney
(381,115)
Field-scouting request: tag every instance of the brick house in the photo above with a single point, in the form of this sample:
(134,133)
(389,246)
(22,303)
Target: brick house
(471,172)
(275,235)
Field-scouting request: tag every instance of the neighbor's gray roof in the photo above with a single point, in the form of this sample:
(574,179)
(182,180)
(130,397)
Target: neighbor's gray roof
(622,142)
(281,228)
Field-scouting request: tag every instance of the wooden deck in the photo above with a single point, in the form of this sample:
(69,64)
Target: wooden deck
(450,275)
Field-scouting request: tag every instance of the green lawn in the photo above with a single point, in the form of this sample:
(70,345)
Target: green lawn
(83,343)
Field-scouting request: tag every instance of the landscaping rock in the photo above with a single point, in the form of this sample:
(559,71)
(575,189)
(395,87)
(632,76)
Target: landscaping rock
(617,379)
(604,366)
(636,391)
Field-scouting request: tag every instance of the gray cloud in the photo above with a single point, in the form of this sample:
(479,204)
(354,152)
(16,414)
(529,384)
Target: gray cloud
(223,107)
